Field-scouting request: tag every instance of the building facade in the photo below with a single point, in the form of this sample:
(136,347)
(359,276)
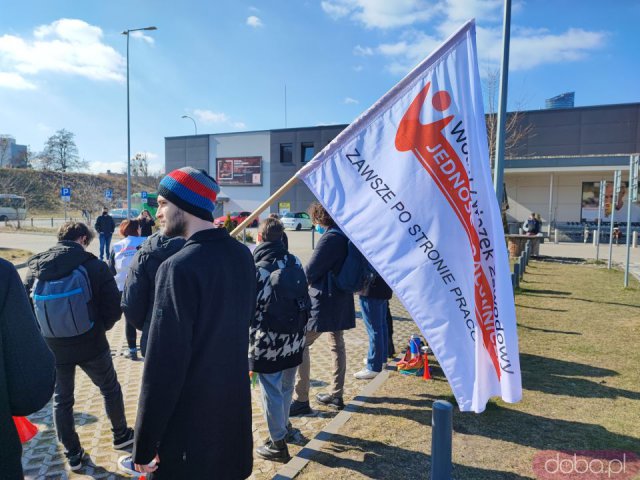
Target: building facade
(554,170)
(11,154)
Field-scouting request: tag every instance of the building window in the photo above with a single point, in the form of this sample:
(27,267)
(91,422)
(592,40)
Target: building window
(286,153)
(307,152)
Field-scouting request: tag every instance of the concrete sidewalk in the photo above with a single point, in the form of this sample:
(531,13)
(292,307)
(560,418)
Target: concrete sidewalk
(588,252)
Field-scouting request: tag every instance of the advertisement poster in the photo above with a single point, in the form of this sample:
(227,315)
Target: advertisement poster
(590,203)
(239,171)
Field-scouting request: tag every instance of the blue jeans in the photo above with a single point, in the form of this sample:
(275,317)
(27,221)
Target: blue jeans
(374,314)
(277,389)
(101,372)
(105,245)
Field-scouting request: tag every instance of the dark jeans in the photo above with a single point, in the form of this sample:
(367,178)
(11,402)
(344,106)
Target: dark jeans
(130,333)
(391,350)
(105,245)
(101,372)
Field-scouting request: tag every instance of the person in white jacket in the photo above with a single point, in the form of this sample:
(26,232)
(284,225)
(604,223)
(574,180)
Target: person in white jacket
(121,256)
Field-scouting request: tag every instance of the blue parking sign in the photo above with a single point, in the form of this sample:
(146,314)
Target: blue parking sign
(143,194)
(108,194)
(65,192)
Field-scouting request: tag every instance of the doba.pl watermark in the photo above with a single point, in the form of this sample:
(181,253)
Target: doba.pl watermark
(587,465)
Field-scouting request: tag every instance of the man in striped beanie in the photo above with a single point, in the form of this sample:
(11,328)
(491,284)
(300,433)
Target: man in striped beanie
(195,393)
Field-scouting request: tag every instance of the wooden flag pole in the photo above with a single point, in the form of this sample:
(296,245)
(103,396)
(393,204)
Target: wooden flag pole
(277,194)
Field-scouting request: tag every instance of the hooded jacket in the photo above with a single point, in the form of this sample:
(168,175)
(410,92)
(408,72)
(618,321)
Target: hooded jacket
(104,306)
(271,352)
(139,287)
(105,224)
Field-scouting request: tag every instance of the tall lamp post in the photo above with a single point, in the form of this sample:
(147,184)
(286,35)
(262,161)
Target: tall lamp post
(194,122)
(127,32)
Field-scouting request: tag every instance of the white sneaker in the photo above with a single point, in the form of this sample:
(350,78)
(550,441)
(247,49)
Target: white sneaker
(365,360)
(365,374)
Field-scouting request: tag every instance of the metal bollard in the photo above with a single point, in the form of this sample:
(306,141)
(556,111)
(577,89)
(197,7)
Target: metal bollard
(595,240)
(523,266)
(555,236)
(31,222)
(441,434)
(634,239)
(516,274)
(52,223)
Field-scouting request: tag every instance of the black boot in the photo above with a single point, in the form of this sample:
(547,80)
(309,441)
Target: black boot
(275,451)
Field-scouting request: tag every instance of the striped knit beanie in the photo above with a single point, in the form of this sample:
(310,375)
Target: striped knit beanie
(193,191)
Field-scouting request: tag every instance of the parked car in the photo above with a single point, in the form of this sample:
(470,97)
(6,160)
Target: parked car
(297,221)
(236,218)
(120,214)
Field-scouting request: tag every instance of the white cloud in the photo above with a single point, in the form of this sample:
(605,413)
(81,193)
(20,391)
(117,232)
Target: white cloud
(381,13)
(351,101)
(15,81)
(361,51)
(65,46)
(207,116)
(531,46)
(217,118)
(141,35)
(254,22)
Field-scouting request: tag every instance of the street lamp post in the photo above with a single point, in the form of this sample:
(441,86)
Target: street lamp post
(194,122)
(127,32)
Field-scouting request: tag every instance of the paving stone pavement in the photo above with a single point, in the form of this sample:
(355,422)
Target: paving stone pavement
(43,457)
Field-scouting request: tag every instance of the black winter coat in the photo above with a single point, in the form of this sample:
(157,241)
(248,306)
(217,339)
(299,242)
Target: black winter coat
(105,224)
(331,309)
(139,287)
(27,373)
(195,401)
(104,307)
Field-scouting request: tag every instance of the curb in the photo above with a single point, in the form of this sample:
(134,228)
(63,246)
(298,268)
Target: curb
(297,463)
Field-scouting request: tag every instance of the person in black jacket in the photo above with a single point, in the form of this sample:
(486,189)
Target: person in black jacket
(139,288)
(273,354)
(105,227)
(90,351)
(27,372)
(146,222)
(374,302)
(194,412)
(332,311)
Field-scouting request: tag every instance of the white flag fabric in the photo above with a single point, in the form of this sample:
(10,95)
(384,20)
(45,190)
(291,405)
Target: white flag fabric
(410,183)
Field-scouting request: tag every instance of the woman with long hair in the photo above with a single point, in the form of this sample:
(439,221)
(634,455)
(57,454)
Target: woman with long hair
(121,256)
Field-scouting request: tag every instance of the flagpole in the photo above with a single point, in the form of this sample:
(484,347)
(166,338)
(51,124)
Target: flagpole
(498,175)
(277,194)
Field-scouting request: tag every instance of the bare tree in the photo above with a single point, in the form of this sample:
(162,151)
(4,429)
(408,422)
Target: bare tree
(61,153)
(140,165)
(515,130)
(88,197)
(5,149)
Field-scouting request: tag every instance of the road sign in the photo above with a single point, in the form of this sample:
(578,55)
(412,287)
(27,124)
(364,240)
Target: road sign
(65,194)
(108,194)
(143,196)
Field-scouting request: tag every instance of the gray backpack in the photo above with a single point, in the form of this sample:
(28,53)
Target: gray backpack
(62,306)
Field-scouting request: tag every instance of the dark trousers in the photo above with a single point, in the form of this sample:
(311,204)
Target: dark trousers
(391,351)
(105,245)
(130,333)
(101,372)
(144,338)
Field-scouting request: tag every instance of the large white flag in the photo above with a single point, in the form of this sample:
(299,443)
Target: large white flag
(410,183)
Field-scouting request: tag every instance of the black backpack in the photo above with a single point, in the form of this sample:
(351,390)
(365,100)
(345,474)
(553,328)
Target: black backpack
(356,273)
(62,305)
(288,307)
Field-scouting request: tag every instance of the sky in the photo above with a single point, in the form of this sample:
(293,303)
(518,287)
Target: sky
(226,63)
